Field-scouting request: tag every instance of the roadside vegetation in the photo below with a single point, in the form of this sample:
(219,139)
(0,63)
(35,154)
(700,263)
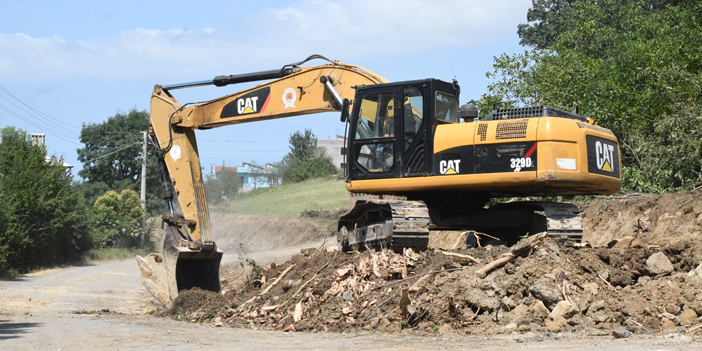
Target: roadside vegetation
(290,200)
(634,66)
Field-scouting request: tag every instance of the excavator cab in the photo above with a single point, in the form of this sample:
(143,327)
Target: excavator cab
(394,140)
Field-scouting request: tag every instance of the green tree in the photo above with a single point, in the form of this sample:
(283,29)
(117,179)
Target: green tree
(305,160)
(223,185)
(631,65)
(112,155)
(546,20)
(44,220)
(116,219)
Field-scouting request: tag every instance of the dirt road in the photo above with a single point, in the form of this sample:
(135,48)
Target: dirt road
(104,306)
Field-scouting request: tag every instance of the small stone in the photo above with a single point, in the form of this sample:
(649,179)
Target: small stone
(348,296)
(384,325)
(445,329)
(671,317)
(591,288)
(666,324)
(524,328)
(507,301)
(697,272)
(556,325)
(563,309)
(425,324)
(659,263)
(597,305)
(688,317)
(547,291)
(621,333)
(539,309)
(672,309)
(510,327)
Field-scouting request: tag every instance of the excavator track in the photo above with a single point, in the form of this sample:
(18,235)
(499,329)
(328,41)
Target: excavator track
(398,224)
(394,224)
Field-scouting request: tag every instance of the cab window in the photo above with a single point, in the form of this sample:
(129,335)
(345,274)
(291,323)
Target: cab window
(376,116)
(446,108)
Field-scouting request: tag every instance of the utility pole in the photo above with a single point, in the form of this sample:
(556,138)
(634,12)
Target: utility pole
(143,189)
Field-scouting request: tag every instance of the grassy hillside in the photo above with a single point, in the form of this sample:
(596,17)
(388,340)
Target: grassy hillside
(290,200)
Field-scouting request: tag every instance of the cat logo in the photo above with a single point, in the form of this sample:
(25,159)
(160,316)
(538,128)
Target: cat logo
(247,105)
(449,166)
(253,102)
(604,154)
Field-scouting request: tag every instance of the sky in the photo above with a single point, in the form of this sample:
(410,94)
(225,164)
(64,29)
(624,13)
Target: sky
(65,64)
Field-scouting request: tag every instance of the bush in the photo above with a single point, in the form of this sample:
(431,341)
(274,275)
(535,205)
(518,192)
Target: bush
(116,219)
(43,218)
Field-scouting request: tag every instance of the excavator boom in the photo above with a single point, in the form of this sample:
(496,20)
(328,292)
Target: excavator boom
(190,257)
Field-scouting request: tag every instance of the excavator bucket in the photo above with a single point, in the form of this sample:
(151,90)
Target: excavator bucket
(179,268)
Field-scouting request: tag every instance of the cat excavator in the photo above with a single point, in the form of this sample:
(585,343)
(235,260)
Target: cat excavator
(423,164)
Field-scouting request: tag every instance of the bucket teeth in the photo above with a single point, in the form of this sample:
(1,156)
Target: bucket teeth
(158,279)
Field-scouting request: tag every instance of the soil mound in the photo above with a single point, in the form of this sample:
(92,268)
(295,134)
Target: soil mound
(543,286)
(644,275)
(653,219)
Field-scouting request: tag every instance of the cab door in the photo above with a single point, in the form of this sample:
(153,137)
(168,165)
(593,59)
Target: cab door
(414,131)
(375,134)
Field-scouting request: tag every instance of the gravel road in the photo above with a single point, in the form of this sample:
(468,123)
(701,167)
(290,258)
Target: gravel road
(104,306)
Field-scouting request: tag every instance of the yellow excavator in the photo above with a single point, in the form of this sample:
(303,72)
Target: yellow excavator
(427,165)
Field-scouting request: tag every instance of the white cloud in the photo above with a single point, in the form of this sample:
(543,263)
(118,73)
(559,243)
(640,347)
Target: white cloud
(348,30)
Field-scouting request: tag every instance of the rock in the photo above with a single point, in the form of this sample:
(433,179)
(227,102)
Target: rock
(591,288)
(621,333)
(348,296)
(600,316)
(580,320)
(688,317)
(671,317)
(445,329)
(547,291)
(539,309)
(659,263)
(556,325)
(425,325)
(563,309)
(524,328)
(672,309)
(596,306)
(697,272)
(384,325)
(510,327)
(666,324)
(507,301)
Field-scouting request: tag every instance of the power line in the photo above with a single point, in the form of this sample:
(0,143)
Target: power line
(244,150)
(38,113)
(113,152)
(244,141)
(54,133)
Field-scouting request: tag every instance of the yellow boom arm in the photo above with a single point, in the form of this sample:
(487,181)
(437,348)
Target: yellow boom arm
(300,91)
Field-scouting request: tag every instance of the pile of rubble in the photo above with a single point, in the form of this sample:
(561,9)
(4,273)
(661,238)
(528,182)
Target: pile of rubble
(537,285)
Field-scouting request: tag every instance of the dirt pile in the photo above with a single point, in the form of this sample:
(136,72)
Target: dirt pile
(538,285)
(652,218)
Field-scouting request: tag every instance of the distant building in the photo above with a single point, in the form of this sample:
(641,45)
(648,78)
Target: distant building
(335,149)
(216,170)
(256,177)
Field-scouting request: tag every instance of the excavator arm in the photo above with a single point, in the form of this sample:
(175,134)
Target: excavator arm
(190,257)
